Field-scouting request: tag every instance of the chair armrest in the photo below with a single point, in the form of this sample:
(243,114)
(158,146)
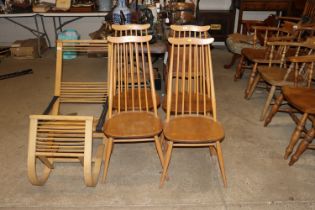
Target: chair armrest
(284,18)
(302,59)
(50,105)
(269,28)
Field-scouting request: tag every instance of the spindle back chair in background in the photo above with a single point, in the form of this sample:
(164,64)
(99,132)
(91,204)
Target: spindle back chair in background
(291,70)
(130,30)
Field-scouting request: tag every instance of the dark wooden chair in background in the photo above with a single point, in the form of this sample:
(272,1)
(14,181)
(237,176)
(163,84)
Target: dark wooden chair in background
(291,70)
(302,99)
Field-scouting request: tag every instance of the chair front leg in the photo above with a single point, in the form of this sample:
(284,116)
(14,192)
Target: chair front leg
(251,79)
(274,110)
(303,146)
(268,101)
(106,158)
(166,162)
(239,69)
(295,136)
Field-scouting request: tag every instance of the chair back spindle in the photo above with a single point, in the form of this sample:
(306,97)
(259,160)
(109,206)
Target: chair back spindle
(190,82)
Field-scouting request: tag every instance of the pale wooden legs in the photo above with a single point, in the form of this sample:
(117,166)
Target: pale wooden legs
(158,146)
(166,162)
(107,154)
(214,150)
(221,163)
(109,149)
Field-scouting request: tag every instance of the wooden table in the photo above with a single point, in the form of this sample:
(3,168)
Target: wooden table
(262,5)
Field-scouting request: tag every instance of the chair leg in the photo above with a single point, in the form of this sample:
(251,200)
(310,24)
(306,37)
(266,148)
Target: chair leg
(107,154)
(221,162)
(159,149)
(251,79)
(268,101)
(274,110)
(302,146)
(295,136)
(253,87)
(213,151)
(234,58)
(166,163)
(239,70)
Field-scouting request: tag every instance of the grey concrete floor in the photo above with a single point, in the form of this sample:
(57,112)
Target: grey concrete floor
(258,176)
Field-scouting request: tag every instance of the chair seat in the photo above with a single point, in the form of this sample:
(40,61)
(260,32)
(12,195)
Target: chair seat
(236,42)
(128,96)
(193,129)
(133,125)
(186,103)
(300,97)
(275,76)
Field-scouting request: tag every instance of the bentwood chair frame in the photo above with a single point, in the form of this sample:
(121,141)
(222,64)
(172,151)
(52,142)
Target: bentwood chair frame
(59,138)
(133,120)
(194,128)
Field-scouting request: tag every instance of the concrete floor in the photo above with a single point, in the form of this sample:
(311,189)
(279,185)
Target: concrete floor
(258,176)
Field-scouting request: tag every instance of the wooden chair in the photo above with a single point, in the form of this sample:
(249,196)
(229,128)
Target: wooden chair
(134,30)
(297,73)
(130,29)
(58,138)
(194,127)
(248,39)
(132,120)
(302,99)
(261,57)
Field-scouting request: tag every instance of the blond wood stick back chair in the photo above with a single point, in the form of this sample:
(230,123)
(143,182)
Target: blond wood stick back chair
(58,138)
(134,30)
(132,120)
(191,128)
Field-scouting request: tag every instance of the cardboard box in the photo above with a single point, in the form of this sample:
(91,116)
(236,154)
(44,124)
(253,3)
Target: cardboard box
(27,49)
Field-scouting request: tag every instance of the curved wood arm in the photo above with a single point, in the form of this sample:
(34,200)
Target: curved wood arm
(302,59)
